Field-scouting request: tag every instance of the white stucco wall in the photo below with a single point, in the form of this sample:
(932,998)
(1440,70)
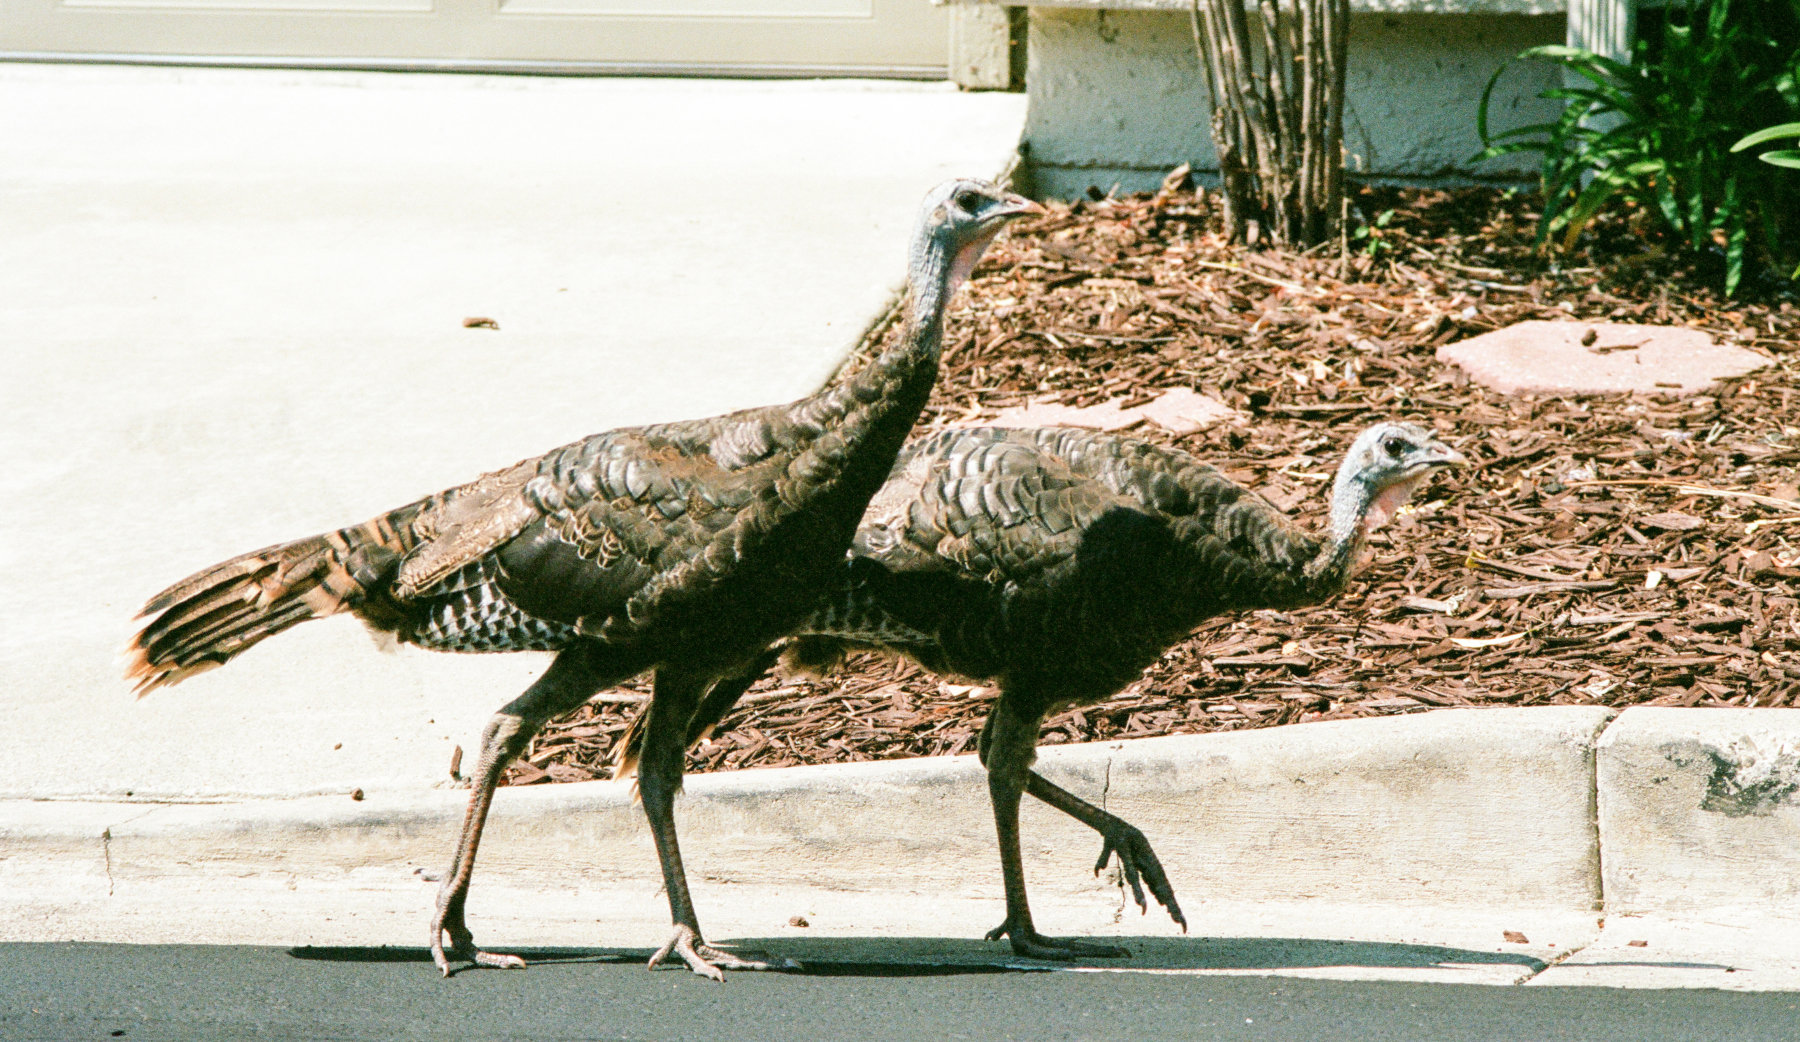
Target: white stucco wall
(1117,97)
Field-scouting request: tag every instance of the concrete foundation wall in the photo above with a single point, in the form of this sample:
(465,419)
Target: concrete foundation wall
(1117,96)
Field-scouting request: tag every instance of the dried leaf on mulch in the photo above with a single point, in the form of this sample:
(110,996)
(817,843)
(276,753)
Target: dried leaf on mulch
(1623,550)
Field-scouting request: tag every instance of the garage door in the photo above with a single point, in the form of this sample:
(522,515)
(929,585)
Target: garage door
(772,37)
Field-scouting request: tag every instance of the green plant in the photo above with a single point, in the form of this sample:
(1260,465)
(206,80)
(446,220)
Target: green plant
(1369,237)
(1658,132)
(1789,157)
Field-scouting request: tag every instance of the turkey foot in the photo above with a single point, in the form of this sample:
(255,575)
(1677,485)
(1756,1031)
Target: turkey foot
(1033,945)
(1139,865)
(449,920)
(707,961)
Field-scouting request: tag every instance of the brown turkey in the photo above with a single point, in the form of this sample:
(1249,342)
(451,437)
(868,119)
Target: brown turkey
(685,548)
(1060,563)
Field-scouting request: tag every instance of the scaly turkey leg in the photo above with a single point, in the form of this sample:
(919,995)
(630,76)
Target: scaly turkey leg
(1009,744)
(569,681)
(1121,837)
(659,778)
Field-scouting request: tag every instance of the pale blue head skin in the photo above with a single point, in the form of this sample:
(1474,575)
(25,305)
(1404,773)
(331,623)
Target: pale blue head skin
(1385,465)
(957,221)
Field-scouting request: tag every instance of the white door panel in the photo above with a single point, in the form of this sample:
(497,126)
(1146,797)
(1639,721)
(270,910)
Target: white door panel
(771,37)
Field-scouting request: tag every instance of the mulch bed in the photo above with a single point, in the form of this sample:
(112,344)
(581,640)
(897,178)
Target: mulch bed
(1622,550)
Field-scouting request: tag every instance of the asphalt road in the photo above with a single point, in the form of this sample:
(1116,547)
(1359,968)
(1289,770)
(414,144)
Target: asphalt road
(72,992)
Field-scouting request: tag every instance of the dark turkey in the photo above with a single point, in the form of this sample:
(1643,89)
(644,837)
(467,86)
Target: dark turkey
(684,548)
(1059,563)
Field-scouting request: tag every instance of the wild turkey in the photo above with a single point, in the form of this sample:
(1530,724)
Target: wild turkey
(1060,563)
(684,548)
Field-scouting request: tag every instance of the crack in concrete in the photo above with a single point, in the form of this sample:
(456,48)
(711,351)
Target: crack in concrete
(126,821)
(106,852)
(106,845)
(1117,876)
(1558,961)
(1598,856)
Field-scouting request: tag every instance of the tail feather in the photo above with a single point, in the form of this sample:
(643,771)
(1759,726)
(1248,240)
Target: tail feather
(214,615)
(228,631)
(629,747)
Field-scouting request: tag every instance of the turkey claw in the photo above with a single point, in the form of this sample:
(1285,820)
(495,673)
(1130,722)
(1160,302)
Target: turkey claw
(462,946)
(1139,865)
(499,961)
(705,960)
(1033,945)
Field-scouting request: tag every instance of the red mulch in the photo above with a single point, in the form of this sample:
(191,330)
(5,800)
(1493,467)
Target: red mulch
(1622,550)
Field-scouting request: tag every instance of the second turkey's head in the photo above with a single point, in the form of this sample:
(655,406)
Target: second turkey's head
(1385,465)
(956,223)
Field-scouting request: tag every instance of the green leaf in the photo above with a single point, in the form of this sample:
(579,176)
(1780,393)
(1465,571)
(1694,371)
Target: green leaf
(1586,206)
(1767,134)
(1735,241)
(1577,57)
(1481,110)
(1657,132)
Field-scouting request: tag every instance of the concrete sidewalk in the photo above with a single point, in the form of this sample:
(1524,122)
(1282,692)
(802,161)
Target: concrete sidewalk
(233,305)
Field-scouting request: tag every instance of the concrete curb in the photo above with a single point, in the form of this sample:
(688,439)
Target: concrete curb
(1422,846)
(1698,809)
(1475,807)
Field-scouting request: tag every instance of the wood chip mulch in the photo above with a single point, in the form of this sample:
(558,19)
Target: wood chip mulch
(1623,550)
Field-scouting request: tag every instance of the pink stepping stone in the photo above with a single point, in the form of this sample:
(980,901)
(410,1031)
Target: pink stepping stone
(1597,358)
(1177,410)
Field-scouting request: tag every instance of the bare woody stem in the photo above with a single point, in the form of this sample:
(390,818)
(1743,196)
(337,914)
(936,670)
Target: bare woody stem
(1277,113)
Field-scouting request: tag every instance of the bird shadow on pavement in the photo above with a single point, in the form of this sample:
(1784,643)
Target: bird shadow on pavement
(838,967)
(949,956)
(881,956)
(386,953)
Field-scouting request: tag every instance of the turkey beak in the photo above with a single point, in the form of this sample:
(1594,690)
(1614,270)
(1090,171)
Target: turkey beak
(1014,205)
(1445,456)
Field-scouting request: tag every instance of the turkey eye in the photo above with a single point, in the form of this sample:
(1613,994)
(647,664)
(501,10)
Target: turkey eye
(1393,447)
(967,201)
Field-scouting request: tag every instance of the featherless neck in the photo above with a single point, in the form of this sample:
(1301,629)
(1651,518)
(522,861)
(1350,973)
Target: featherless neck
(932,278)
(912,362)
(1350,501)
